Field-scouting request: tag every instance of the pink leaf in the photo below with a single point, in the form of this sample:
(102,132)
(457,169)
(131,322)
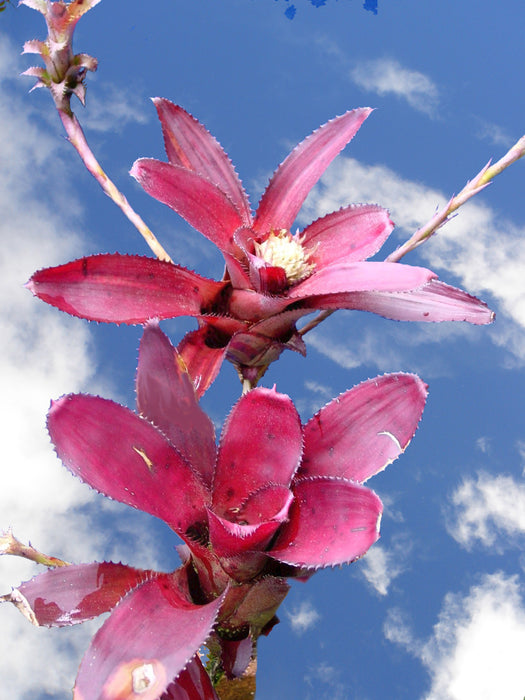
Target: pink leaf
(362,276)
(126,458)
(364,430)
(261,444)
(252,525)
(296,176)
(166,397)
(146,642)
(249,305)
(201,203)
(203,354)
(236,656)
(349,235)
(436,301)
(193,683)
(71,594)
(331,521)
(124,289)
(191,146)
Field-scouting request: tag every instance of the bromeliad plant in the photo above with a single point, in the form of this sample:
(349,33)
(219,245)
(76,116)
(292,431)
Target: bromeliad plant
(275,500)
(246,511)
(272,278)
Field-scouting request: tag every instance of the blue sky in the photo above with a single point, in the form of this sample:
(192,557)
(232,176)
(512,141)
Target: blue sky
(436,609)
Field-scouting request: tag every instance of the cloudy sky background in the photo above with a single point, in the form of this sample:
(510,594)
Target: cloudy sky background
(436,609)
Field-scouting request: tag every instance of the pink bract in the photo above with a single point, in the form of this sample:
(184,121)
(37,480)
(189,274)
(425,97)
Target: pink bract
(274,499)
(272,278)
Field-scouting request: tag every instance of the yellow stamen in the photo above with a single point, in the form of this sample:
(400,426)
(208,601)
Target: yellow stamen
(281,249)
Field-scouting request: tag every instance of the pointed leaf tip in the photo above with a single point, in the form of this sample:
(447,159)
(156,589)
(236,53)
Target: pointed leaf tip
(295,177)
(365,429)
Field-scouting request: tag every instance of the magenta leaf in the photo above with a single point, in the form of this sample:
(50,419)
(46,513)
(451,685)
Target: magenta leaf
(201,203)
(236,656)
(261,444)
(203,353)
(435,301)
(351,234)
(166,397)
(361,276)
(124,289)
(144,644)
(252,525)
(331,521)
(191,146)
(230,539)
(71,594)
(364,430)
(295,177)
(126,458)
(248,305)
(193,683)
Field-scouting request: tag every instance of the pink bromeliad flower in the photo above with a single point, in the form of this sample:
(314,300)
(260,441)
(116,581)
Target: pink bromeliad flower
(274,499)
(272,277)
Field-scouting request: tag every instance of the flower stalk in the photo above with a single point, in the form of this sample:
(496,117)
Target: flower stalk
(9,544)
(78,140)
(64,75)
(478,183)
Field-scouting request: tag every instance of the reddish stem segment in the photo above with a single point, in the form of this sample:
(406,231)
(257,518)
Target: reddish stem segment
(78,140)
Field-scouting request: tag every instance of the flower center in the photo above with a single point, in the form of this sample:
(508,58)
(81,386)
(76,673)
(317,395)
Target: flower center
(281,249)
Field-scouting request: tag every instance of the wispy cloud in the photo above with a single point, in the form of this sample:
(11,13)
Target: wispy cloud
(386,76)
(488,131)
(483,444)
(381,565)
(463,250)
(110,108)
(303,617)
(475,650)
(487,511)
(44,354)
(325,683)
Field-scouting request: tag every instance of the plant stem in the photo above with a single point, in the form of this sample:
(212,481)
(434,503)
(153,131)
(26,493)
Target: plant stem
(78,140)
(10,545)
(482,179)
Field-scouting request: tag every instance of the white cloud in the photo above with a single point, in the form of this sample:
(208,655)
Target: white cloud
(483,444)
(325,684)
(381,565)
(476,648)
(303,617)
(463,250)
(488,131)
(489,510)
(44,354)
(386,346)
(386,76)
(111,108)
